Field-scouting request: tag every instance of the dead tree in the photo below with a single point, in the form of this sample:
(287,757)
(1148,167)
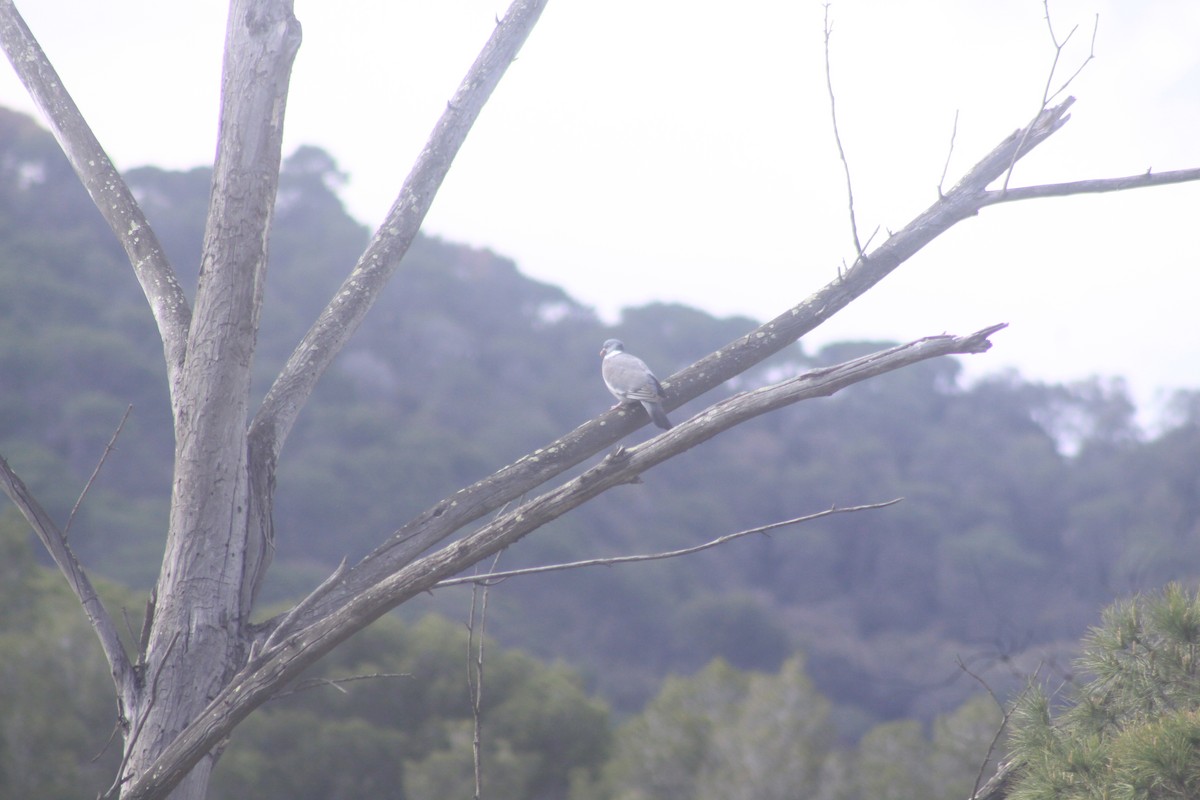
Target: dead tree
(201,665)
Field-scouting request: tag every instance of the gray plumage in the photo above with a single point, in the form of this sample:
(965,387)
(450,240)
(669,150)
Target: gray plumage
(631,381)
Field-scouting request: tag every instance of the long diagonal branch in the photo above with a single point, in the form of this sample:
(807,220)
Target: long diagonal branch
(56,544)
(107,188)
(472,503)
(273,667)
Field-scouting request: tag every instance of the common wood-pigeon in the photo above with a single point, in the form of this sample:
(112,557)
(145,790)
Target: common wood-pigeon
(631,381)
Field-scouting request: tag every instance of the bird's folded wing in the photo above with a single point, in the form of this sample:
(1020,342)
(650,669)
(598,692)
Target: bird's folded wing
(646,392)
(629,377)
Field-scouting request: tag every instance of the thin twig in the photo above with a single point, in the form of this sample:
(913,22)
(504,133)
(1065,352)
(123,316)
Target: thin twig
(475,675)
(949,153)
(837,137)
(147,626)
(103,457)
(128,624)
(871,238)
(312,683)
(1007,711)
(1091,55)
(608,562)
(1047,95)
(107,742)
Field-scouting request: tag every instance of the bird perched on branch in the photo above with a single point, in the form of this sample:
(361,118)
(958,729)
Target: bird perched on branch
(631,381)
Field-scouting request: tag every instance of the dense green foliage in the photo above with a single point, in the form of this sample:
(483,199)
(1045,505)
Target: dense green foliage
(56,698)
(1027,506)
(409,735)
(726,734)
(1131,731)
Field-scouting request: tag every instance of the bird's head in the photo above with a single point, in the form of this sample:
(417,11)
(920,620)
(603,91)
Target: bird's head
(611,346)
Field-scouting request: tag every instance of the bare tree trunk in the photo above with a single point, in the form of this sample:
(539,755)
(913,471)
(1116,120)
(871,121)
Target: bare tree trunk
(197,634)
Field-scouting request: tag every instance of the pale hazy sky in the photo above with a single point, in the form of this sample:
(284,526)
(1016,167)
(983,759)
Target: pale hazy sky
(681,150)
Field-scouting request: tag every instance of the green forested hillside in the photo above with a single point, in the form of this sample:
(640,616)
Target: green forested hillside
(1028,507)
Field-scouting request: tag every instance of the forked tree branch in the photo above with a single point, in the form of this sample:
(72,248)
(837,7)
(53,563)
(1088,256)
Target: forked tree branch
(107,188)
(273,667)
(1048,96)
(341,317)
(337,323)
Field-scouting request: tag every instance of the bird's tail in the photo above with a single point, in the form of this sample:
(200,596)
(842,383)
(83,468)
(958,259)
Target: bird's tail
(658,415)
